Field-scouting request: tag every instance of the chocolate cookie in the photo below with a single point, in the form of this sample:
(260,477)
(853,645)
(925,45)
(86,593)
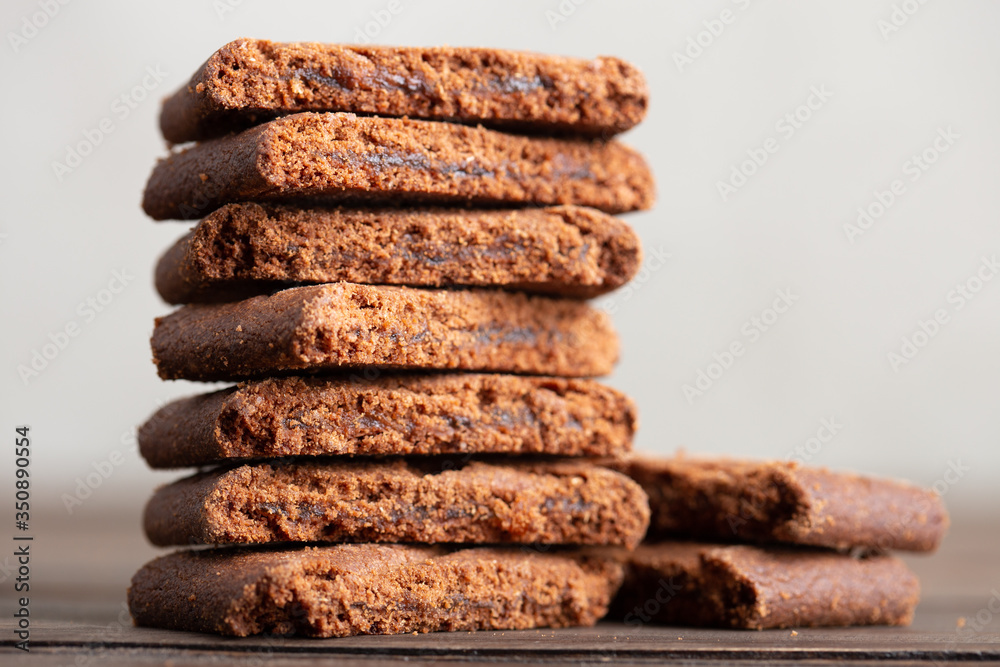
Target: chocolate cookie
(567,502)
(344,326)
(250,80)
(241,250)
(406,415)
(342,158)
(711,585)
(780,501)
(352,589)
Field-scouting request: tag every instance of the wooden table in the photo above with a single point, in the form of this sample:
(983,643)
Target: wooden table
(81,566)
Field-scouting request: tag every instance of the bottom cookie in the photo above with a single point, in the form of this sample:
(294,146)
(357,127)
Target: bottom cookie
(352,589)
(711,585)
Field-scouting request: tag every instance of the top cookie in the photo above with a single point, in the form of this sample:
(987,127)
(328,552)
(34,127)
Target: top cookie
(249,81)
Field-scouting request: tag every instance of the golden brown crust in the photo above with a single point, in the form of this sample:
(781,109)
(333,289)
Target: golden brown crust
(344,159)
(409,415)
(738,586)
(781,501)
(566,502)
(249,80)
(344,325)
(242,250)
(337,591)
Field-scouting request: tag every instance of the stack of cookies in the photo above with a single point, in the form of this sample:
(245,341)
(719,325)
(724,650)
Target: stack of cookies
(774,544)
(394,250)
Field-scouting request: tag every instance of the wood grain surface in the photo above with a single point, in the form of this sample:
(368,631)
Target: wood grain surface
(81,566)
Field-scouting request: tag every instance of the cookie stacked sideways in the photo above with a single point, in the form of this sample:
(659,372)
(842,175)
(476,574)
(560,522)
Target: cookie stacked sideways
(392,260)
(774,544)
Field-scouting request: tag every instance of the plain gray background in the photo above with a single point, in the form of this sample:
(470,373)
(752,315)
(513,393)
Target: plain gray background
(822,368)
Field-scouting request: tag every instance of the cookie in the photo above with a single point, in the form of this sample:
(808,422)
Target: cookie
(241,250)
(345,325)
(781,501)
(566,502)
(343,158)
(352,589)
(251,80)
(713,585)
(402,415)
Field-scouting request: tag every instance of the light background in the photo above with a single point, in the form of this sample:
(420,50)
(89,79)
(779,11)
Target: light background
(783,230)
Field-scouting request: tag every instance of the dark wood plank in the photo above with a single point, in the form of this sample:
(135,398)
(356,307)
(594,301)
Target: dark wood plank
(933,636)
(59,658)
(79,590)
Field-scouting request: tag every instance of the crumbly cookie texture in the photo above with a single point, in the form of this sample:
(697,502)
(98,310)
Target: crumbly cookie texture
(781,501)
(343,158)
(242,250)
(352,589)
(463,413)
(740,586)
(252,80)
(342,326)
(566,502)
